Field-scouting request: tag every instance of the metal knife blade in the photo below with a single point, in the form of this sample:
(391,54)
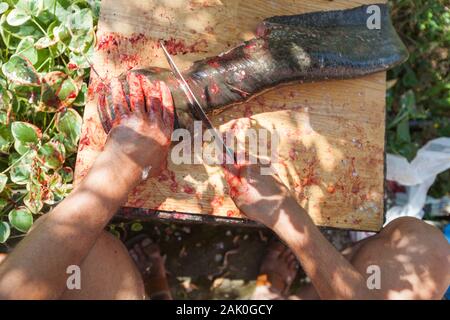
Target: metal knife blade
(193,101)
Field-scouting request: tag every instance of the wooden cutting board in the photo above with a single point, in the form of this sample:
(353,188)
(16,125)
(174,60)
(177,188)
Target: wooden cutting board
(332,147)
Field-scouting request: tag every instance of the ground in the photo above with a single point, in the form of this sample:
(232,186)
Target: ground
(215,261)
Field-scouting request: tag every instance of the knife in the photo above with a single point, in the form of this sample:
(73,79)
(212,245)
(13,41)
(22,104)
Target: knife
(195,104)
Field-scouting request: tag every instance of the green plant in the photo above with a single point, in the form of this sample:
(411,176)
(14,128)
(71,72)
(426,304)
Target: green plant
(418,97)
(45,47)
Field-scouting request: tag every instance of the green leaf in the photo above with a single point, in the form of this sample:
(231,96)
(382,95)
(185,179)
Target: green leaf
(3,203)
(81,42)
(69,124)
(61,33)
(58,91)
(6,138)
(52,154)
(3,7)
(66,174)
(33,199)
(25,132)
(32,7)
(20,70)
(26,49)
(5,231)
(3,181)
(136,227)
(45,42)
(403,134)
(12,35)
(82,96)
(17,17)
(5,99)
(80,21)
(20,147)
(20,173)
(21,219)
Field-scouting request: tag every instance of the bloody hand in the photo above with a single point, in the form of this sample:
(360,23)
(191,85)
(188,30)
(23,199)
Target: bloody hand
(140,125)
(260,197)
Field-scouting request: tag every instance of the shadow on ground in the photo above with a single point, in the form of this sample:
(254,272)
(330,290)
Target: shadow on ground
(213,261)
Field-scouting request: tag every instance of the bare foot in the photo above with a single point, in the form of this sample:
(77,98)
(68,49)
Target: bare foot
(148,259)
(277,272)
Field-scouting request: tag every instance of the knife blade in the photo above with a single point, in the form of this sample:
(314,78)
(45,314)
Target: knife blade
(195,104)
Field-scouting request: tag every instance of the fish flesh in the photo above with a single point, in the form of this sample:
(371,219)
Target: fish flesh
(307,47)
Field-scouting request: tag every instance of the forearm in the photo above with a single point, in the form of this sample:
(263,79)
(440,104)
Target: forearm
(37,266)
(331,274)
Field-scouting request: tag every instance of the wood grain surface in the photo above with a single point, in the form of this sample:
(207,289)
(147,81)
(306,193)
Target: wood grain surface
(331,152)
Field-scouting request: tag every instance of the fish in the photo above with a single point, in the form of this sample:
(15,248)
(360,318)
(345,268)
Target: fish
(308,47)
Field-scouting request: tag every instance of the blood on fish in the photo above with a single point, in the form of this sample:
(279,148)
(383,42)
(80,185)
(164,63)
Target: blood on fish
(213,63)
(214,88)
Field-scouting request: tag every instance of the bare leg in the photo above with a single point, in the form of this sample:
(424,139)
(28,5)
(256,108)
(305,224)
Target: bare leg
(108,273)
(414,260)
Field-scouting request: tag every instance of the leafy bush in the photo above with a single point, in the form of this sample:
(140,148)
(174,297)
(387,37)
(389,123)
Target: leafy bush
(418,101)
(45,47)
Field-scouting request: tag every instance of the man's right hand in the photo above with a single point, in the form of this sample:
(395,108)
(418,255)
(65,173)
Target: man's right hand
(263,198)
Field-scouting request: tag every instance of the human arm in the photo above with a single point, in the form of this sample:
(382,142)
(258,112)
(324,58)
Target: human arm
(140,138)
(267,200)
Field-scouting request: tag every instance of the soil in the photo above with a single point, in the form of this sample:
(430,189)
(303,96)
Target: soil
(206,261)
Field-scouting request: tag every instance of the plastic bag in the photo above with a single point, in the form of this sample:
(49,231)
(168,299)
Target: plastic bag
(418,175)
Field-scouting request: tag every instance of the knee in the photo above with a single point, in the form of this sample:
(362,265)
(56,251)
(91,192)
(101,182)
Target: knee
(408,232)
(409,226)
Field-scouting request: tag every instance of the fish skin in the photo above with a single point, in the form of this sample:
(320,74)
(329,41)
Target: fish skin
(307,47)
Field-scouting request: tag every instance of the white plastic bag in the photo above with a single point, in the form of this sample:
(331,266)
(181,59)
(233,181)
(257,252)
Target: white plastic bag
(418,176)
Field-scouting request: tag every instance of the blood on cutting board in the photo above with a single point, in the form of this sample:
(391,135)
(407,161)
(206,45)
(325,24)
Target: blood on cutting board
(216,204)
(169,176)
(188,189)
(129,60)
(230,213)
(179,46)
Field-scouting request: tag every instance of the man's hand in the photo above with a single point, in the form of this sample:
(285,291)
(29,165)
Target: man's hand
(141,126)
(262,198)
